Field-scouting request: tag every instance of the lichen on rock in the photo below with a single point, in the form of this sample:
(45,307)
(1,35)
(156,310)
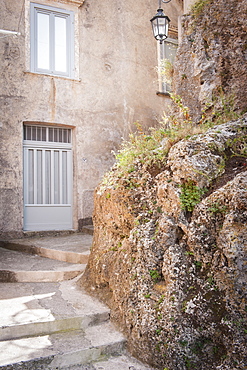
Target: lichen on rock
(175,280)
(212,57)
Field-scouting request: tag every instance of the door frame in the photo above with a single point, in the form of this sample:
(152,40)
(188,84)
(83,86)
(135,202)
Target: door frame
(48,210)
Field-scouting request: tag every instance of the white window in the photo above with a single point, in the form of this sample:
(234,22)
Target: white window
(47,134)
(166,56)
(52,41)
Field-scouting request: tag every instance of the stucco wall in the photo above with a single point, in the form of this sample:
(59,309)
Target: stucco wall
(115,85)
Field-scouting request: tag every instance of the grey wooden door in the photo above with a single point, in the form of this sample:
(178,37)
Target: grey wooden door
(47,178)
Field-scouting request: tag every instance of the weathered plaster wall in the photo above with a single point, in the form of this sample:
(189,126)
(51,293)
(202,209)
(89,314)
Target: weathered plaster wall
(115,85)
(188,4)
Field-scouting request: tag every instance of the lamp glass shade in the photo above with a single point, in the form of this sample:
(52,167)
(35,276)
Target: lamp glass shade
(160,25)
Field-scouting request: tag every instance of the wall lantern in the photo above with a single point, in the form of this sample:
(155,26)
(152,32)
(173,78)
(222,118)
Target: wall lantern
(160,23)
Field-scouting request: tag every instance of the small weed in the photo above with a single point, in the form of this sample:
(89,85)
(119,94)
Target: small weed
(157,347)
(211,281)
(108,196)
(155,275)
(161,299)
(158,331)
(133,277)
(190,195)
(159,209)
(198,7)
(198,264)
(189,253)
(215,350)
(147,295)
(184,306)
(187,363)
(217,208)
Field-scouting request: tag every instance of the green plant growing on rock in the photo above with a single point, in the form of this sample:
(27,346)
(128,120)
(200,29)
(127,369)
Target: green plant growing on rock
(190,195)
(217,208)
(152,147)
(220,110)
(178,122)
(198,264)
(155,275)
(141,148)
(224,107)
(149,149)
(198,7)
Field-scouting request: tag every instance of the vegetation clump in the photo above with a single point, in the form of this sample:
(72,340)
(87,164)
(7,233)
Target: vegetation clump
(198,7)
(149,149)
(190,195)
(147,152)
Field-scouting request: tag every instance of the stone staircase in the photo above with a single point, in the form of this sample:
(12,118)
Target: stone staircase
(47,322)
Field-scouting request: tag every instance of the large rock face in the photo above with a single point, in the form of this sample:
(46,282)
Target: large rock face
(212,56)
(174,274)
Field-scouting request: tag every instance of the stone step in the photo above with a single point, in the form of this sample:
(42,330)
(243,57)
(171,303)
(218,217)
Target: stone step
(39,308)
(88,229)
(62,350)
(22,267)
(73,248)
(123,362)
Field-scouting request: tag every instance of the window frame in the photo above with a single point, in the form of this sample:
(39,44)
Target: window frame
(164,87)
(36,9)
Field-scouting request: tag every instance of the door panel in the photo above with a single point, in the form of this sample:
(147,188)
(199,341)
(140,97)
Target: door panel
(47,188)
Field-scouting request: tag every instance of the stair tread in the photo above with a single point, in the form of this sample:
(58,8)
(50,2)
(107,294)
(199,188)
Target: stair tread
(77,342)
(18,261)
(78,243)
(29,303)
(124,362)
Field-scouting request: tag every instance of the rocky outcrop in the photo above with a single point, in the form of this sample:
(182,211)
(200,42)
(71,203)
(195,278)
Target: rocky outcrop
(169,253)
(212,56)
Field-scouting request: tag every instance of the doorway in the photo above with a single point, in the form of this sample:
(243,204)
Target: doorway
(47,178)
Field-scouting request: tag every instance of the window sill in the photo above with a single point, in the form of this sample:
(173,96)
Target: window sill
(74,2)
(53,76)
(159,93)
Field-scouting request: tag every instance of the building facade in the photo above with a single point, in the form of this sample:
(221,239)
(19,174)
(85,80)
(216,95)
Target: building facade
(73,82)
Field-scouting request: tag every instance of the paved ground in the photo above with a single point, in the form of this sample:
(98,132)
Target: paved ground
(54,325)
